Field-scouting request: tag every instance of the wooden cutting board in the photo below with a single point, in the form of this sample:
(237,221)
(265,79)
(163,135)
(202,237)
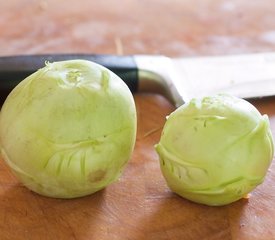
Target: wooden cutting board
(140,205)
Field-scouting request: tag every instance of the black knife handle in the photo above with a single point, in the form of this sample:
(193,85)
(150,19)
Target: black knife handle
(14,69)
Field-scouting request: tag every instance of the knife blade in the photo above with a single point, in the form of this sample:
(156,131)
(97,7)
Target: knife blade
(178,79)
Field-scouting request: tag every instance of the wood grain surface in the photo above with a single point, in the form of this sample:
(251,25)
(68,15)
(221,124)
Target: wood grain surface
(140,205)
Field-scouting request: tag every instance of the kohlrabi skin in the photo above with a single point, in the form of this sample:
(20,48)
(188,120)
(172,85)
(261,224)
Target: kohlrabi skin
(69,129)
(215,150)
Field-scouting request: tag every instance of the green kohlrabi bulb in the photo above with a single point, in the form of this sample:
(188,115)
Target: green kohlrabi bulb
(215,150)
(69,129)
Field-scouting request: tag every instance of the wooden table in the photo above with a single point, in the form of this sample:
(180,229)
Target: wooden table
(140,205)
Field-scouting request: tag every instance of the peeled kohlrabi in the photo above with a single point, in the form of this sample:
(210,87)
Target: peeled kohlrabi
(69,129)
(215,150)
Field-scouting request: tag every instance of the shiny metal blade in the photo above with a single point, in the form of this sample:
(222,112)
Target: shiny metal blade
(180,79)
(245,76)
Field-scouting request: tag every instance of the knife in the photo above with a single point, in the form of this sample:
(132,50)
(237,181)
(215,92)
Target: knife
(177,79)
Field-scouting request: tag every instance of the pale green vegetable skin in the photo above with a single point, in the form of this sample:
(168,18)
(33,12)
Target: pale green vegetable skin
(215,150)
(69,129)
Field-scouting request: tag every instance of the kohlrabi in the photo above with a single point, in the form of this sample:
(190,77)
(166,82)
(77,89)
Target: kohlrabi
(215,150)
(69,129)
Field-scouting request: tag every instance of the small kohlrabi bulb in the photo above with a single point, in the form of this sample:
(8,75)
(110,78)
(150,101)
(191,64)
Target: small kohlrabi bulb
(215,150)
(69,129)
